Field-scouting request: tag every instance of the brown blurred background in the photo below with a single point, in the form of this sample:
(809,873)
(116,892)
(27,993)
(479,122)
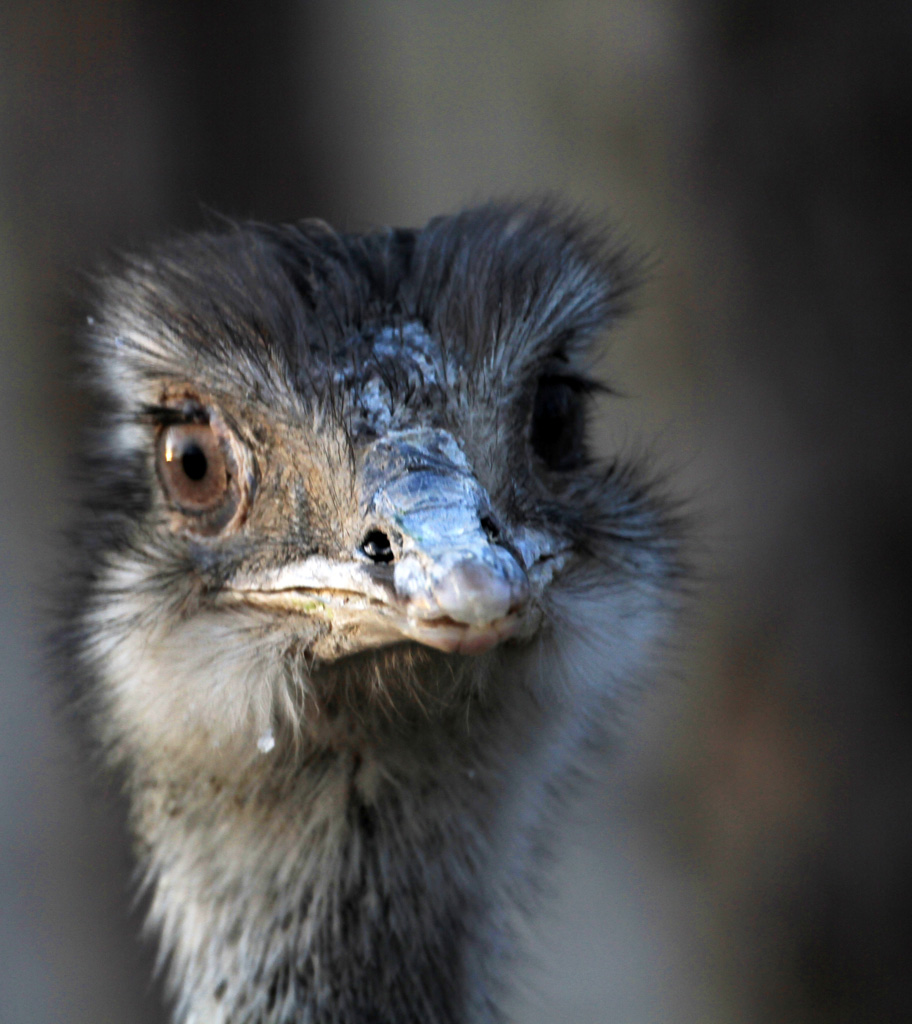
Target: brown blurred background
(746,858)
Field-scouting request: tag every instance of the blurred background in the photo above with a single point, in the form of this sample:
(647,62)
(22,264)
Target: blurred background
(745,858)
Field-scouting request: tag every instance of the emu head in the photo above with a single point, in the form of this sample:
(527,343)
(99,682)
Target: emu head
(351,473)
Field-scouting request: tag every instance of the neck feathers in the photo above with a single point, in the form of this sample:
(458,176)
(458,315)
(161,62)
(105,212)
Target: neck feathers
(348,882)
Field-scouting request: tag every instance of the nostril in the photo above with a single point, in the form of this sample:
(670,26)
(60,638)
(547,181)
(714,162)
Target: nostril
(491,528)
(376,545)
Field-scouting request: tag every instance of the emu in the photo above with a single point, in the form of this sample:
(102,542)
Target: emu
(357,598)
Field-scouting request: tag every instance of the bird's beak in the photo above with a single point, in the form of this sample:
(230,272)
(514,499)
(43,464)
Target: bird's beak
(452,573)
(434,564)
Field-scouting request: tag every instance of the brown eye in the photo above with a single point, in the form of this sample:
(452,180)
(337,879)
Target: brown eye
(199,472)
(192,467)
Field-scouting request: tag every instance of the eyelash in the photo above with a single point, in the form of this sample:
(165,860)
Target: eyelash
(169,416)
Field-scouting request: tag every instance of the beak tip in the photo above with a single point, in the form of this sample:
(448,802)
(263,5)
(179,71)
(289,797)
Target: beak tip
(477,594)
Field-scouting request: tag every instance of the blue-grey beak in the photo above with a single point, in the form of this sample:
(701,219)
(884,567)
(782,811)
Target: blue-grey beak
(449,557)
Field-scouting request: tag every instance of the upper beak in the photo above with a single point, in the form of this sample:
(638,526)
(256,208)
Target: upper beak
(448,559)
(435,566)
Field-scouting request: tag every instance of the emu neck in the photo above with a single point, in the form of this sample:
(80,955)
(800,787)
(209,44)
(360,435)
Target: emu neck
(348,883)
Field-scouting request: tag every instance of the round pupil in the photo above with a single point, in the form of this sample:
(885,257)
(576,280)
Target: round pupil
(194,462)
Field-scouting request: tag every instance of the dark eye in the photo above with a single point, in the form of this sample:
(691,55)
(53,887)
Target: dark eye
(199,473)
(559,421)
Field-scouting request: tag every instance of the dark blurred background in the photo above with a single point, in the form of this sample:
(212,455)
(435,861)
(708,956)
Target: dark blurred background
(746,857)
